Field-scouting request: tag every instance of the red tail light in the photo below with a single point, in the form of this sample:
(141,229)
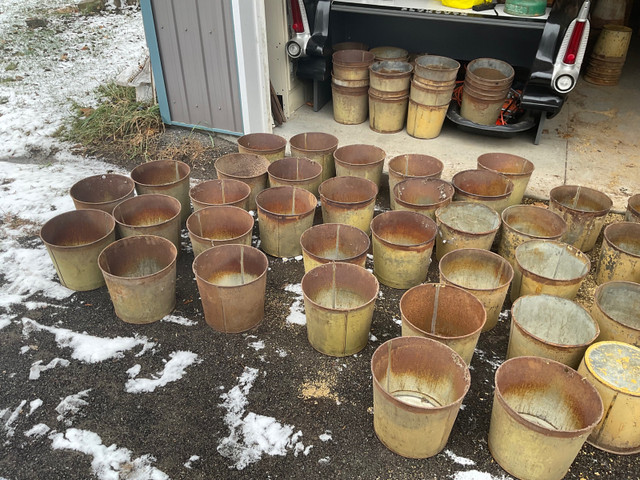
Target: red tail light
(296,14)
(574,43)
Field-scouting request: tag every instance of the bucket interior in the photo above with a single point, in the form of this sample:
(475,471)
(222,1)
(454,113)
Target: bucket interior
(476,269)
(506,163)
(135,257)
(469,217)
(160,172)
(634,204)
(335,241)
(423,192)
(621,302)
(147,210)
(534,221)
(230,265)
(353,57)
(262,142)
(491,70)
(295,168)
(436,64)
(220,192)
(77,228)
(242,165)
(359,154)
(482,183)
(404,228)
(102,188)
(348,190)
(220,223)
(384,53)
(340,286)
(552,260)
(416,165)
(316,142)
(581,198)
(625,236)
(286,201)
(391,68)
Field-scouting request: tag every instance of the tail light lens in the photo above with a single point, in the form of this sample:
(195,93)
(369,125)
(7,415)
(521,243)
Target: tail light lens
(296,17)
(574,43)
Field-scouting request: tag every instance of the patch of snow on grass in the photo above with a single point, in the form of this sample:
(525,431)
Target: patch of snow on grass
(459,460)
(296,311)
(34,405)
(9,418)
(38,430)
(37,367)
(179,320)
(70,406)
(173,371)
(476,475)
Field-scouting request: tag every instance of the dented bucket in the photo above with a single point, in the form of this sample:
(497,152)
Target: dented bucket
(422,195)
(620,253)
(268,145)
(220,192)
(633,209)
(483,186)
(296,172)
(316,146)
(246,167)
(364,161)
(102,192)
(219,225)
(412,165)
(334,242)
(513,167)
(616,308)
(348,200)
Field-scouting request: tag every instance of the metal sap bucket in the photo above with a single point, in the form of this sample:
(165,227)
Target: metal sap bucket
(515,168)
(550,327)
(296,172)
(387,114)
(339,300)
(352,64)
(633,209)
(620,253)
(585,211)
(412,165)
(616,308)
(418,387)
(425,121)
(422,195)
(612,368)
(542,414)
(348,200)
(316,146)
(445,313)
(283,214)
(140,273)
(166,177)
(390,76)
(336,47)
(246,167)
(101,192)
(268,145)
(487,82)
(390,54)
(436,68)
(350,103)
(220,192)
(481,273)
(364,161)
(334,242)
(402,246)
(483,186)
(232,281)
(219,225)
(74,240)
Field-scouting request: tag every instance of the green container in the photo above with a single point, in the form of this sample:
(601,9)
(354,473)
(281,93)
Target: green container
(525,8)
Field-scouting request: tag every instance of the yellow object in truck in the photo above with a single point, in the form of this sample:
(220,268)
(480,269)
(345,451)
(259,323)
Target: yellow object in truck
(463,4)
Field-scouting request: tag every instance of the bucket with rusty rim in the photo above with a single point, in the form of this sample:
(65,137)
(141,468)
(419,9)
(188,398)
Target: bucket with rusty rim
(348,200)
(224,191)
(434,95)
(412,165)
(246,167)
(436,68)
(390,76)
(352,64)
(425,121)
(616,308)
(268,145)
(101,192)
(387,114)
(336,47)
(365,161)
(333,242)
(486,85)
(513,167)
(633,209)
(219,225)
(620,253)
(316,146)
(483,186)
(422,195)
(390,54)
(296,172)
(350,104)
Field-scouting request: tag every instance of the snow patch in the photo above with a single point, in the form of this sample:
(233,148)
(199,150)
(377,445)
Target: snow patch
(326,436)
(9,418)
(34,405)
(296,311)
(38,430)
(459,460)
(476,475)
(70,406)
(179,320)
(259,345)
(5,321)
(37,368)
(173,371)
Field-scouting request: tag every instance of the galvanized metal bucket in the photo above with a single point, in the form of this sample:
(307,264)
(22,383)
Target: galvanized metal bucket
(219,225)
(246,167)
(387,114)
(74,240)
(232,281)
(224,191)
(436,68)
(425,121)
(550,327)
(268,145)
(352,64)
(481,273)
(633,209)
(390,76)
(418,387)
(140,273)
(283,214)
(316,146)
(334,242)
(616,308)
(482,186)
(296,172)
(339,299)
(542,414)
(350,104)
(402,246)
(412,165)
(445,313)
(392,54)
(348,200)
(486,85)
(434,94)
(364,161)
(620,254)
(422,195)
(101,192)
(513,167)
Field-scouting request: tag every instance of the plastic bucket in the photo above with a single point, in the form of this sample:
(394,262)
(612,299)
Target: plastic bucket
(432,95)
(390,54)
(350,105)
(348,200)
(101,192)
(339,299)
(616,308)
(425,121)
(296,172)
(486,85)
(402,246)
(219,225)
(268,145)
(352,64)
(220,192)
(74,240)
(387,115)
(483,186)
(412,165)
(140,273)
(316,146)
(481,273)
(512,167)
(334,242)
(633,209)
(232,281)
(390,76)
(365,161)
(418,387)
(620,253)
(422,195)
(436,68)
(246,167)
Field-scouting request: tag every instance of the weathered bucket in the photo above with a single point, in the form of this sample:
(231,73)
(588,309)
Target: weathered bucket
(246,167)
(402,246)
(339,299)
(166,177)
(140,273)
(585,211)
(432,95)
(613,369)
(412,165)
(483,186)
(268,145)
(522,223)
(334,242)
(232,281)
(224,191)
(219,225)
(444,313)
(633,209)
(422,195)
(390,54)
(352,64)
(151,214)
(365,161)
(296,172)
(542,414)
(387,115)
(101,192)
(616,308)
(425,121)
(550,327)
(74,240)
(620,253)
(336,47)
(316,146)
(609,53)
(348,200)
(350,105)
(436,68)
(481,273)
(486,85)
(418,387)
(283,214)
(349,83)
(548,266)
(390,76)
(465,225)
(515,168)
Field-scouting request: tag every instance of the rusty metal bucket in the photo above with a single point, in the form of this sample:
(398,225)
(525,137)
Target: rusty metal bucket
(390,54)
(550,327)
(483,186)
(422,195)
(418,387)
(219,225)
(352,64)
(364,161)
(585,211)
(151,214)
(542,414)
(333,242)
(522,223)
(101,192)
(296,172)
(390,76)
(140,273)
(612,368)
(616,308)
(444,313)
(412,165)
(481,273)
(268,145)
(633,209)
(465,225)
(339,299)
(283,214)
(513,167)
(402,246)
(620,254)
(74,240)
(166,177)
(246,167)
(220,192)
(348,200)
(232,281)
(316,146)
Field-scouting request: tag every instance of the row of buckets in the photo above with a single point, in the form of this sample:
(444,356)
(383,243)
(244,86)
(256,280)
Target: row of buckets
(540,400)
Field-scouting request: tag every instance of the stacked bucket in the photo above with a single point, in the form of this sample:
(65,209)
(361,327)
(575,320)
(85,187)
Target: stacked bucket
(388,95)
(349,85)
(609,54)
(486,86)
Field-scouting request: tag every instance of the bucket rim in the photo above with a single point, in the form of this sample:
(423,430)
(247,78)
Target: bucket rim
(429,227)
(546,211)
(221,207)
(373,148)
(477,252)
(417,156)
(434,206)
(332,138)
(609,231)
(217,181)
(573,251)
(613,284)
(143,166)
(528,164)
(294,190)
(128,180)
(285,160)
(223,161)
(140,198)
(362,180)
(107,216)
(254,250)
(356,230)
(282,142)
(601,196)
(139,238)
(439,211)
(592,370)
(508,186)
(404,69)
